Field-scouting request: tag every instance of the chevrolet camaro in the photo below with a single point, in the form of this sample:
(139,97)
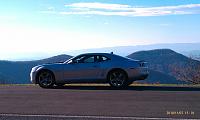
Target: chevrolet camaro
(109,68)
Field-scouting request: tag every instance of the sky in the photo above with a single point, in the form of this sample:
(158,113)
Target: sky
(31,27)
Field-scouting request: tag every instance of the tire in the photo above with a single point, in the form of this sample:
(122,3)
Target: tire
(46,79)
(117,79)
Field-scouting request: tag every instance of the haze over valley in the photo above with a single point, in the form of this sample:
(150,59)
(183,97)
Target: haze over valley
(187,49)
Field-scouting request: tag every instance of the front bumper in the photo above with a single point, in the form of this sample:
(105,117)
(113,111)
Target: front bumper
(33,77)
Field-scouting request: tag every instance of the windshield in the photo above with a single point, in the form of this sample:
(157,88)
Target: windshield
(69,61)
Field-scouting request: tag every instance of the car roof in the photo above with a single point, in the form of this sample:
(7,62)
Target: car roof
(109,55)
(96,54)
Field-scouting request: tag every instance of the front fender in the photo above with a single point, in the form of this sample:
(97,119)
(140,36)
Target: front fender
(57,71)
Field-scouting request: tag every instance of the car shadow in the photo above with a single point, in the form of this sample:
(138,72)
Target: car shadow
(134,88)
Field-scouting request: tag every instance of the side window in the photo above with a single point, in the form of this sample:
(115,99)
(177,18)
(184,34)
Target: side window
(89,59)
(78,59)
(101,58)
(105,58)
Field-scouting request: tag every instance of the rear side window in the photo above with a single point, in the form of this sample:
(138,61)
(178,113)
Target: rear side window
(101,58)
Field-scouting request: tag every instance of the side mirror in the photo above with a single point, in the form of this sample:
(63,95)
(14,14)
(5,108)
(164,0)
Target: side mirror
(74,61)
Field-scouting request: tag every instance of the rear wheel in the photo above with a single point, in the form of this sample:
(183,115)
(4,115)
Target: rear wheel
(117,78)
(46,79)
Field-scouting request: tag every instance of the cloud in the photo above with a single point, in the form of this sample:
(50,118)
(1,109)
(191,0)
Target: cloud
(96,13)
(99,6)
(127,10)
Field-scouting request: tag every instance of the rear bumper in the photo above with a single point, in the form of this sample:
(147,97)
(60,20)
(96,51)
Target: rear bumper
(140,73)
(141,77)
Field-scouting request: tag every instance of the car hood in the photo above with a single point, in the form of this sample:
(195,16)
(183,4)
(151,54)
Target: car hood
(52,66)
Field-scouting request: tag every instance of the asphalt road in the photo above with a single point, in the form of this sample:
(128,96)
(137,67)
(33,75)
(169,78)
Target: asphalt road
(98,102)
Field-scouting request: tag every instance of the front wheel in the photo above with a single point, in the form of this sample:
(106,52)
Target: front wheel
(117,79)
(46,79)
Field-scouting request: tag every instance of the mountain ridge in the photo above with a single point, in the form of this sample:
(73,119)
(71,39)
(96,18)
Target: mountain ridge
(159,63)
(166,61)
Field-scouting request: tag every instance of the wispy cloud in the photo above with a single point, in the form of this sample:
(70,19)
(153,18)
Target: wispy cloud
(99,6)
(126,10)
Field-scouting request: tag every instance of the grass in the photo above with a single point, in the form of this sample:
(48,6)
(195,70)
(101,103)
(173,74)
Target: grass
(167,85)
(17,84)
(134,84)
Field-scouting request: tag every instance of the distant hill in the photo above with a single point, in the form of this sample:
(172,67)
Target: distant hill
(54,59)
(160,59)
(163,62)
(161,78)
(18,71)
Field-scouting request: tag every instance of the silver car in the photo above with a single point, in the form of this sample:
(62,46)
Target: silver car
(109,68)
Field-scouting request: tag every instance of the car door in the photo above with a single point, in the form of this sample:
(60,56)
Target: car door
(82,69)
